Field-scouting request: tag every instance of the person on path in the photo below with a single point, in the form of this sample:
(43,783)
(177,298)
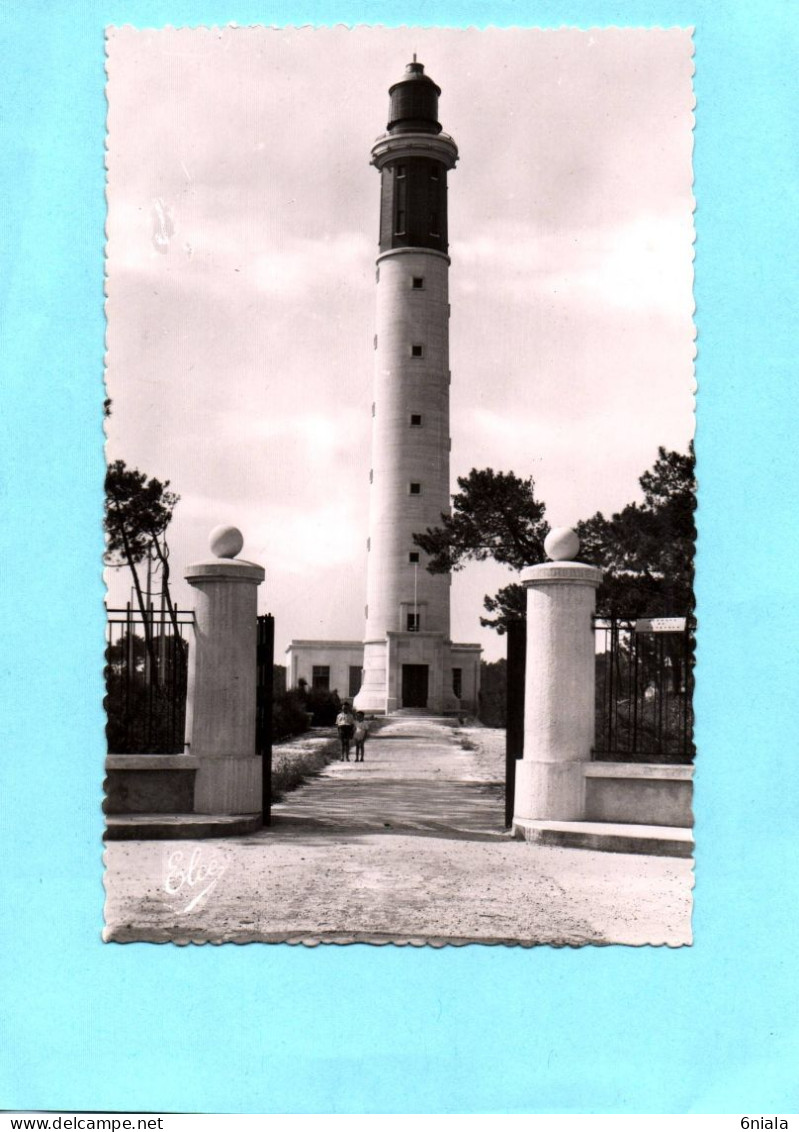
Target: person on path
(361,735)
(345,722)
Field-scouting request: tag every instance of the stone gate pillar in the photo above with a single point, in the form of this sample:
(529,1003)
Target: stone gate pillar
(559,685)
(220,707)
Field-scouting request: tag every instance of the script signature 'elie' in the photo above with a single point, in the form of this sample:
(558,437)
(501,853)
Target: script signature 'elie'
(195,879)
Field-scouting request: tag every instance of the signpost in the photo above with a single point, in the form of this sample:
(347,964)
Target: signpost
(660,625)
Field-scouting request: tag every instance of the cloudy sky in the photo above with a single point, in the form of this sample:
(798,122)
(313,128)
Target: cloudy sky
(242,234)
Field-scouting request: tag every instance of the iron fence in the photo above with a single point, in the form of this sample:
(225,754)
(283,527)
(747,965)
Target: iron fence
(644,690)
(146,670)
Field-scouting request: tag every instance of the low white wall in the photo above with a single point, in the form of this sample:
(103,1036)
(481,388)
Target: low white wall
(639,793)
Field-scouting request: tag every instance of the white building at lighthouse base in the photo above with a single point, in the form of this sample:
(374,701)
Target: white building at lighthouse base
(417,671)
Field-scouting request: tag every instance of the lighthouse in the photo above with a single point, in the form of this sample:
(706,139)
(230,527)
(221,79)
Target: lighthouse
(409,660)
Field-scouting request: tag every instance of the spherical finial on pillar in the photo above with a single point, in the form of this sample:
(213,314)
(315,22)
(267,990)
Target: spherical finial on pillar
(562,544)
(226,542)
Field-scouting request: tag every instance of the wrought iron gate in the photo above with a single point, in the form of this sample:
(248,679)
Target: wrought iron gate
(514,713)
(644,701)
(264,662)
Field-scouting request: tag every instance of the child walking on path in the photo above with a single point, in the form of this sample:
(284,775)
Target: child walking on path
(361,735)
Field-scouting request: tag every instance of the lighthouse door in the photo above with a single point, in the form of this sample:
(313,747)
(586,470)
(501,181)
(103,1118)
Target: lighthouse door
(414,685)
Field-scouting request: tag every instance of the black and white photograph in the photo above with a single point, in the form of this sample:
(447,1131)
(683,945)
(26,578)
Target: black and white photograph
(400,493)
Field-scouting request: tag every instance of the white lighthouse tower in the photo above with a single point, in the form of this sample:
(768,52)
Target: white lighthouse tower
(409,660)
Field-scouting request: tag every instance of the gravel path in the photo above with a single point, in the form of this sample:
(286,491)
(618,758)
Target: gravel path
(407,847)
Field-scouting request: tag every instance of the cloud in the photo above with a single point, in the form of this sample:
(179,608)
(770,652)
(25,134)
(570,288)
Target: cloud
(639,266)
(301,267)
(319,439)
(170,239)
(311,540)
(291,539)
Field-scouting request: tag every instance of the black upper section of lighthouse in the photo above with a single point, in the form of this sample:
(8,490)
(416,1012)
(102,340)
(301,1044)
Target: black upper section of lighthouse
(414,103)
(414,157)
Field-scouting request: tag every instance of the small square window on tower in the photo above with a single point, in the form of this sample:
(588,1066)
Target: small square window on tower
(416,420)
(413,556)
(417,282)
(417,351)
(400,170)
(414,488)
(413,623)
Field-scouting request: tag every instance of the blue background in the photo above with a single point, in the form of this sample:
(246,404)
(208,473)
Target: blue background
(351,1029)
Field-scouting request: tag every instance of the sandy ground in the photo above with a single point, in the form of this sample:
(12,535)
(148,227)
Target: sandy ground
(407,847)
